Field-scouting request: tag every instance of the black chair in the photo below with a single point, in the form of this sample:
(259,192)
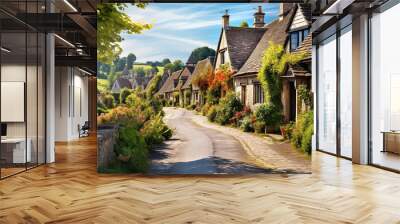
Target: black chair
(84,130)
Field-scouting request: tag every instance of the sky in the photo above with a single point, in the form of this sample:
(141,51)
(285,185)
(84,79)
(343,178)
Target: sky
(180,28)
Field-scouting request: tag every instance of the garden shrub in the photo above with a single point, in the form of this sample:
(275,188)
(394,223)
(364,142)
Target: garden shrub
(307,139)
(228,106)
(204,109)
(213,96)
(108,101)
(298,136)
(132,150)
(246,124)
(123,95)
(269,114)
(212,113)
(123,116)
(289,130)
(259,127)
(155,131)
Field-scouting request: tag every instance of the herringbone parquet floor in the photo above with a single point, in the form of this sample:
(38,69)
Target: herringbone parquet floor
(70,191)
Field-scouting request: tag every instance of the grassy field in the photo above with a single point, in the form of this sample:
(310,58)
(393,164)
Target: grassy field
(148,67)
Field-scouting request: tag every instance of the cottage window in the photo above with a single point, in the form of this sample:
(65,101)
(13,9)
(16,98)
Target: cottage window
(258,94)
(294,41)
(297,37)
(223,57)
(243,94)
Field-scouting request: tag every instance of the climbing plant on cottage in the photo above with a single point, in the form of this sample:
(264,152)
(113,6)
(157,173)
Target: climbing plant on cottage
(274,63)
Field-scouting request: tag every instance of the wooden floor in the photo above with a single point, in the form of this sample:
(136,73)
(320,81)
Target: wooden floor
(70,191)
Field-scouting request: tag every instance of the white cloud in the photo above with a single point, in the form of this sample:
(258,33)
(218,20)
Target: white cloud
(179,28)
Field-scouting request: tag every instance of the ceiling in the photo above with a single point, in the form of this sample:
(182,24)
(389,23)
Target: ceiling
(73,21)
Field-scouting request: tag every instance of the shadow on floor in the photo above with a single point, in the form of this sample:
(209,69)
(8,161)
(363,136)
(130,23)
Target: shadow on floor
(211,165)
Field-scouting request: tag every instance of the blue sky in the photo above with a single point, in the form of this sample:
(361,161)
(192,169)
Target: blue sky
(180,28)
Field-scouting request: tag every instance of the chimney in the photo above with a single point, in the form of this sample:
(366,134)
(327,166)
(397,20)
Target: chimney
(225,20)
(259,18)
(283,9)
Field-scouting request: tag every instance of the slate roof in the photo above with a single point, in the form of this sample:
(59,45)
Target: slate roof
(185,74)
(306,47)
(200,66)
(297,71)
(169,84)
(241,41)
(276,32)
(163,79)
(123,83)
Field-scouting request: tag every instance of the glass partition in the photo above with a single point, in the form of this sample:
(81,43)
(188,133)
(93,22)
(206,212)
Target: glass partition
(22,101)
(346,91)
(327,95)
(385,89)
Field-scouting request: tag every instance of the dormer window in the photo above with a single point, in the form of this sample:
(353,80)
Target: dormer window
(297,37)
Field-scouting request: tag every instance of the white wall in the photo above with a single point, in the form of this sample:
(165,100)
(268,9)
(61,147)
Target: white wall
(71,102)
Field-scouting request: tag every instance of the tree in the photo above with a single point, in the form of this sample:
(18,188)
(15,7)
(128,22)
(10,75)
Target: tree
(175,66)
(244,24)
(111,21)
(165,61)
(120,65)
(200,54)
(130,60)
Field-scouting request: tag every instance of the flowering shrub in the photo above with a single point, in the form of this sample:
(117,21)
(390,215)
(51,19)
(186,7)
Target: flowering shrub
(246,124)
(155,131)
(141,127)
(228,106)
(124,116)
(212,113)
(221,78)
(269,115)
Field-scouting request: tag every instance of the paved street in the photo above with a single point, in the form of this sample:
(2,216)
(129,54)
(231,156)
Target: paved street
(199,150)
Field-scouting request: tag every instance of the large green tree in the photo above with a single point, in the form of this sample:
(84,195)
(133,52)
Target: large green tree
(175,66)
(201,53)
(111,21)
(130,60)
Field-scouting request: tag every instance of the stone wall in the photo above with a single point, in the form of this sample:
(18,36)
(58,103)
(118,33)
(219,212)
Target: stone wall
(106,139)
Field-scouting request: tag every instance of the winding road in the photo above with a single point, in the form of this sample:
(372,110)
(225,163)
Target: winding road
(198,150)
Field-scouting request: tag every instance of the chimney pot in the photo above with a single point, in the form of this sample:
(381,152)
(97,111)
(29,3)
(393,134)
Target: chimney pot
(259,18)
(225,20)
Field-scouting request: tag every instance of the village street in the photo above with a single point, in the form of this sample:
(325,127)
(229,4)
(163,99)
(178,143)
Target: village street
(196,149)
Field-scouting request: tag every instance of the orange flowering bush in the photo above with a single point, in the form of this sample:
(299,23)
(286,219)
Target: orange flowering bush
(221,78)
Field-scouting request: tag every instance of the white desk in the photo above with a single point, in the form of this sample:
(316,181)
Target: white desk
(19,154)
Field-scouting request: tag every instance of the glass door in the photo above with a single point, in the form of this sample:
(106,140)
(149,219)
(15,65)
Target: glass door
(326,93)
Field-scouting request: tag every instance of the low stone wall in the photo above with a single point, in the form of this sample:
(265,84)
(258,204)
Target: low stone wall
(106,138)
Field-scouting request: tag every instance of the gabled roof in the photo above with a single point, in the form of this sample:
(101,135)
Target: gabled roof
(200,67)
(122,83)
(306,11)
(184,76)
(163,79)
(241,41)
(306,47)
(276,32)
(169,84)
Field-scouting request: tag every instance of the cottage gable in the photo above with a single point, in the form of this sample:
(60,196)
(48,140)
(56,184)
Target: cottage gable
(276,32)
(302,18)
(121,83)
(236,45)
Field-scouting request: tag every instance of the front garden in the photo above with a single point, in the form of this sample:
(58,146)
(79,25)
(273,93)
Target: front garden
(138,117)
